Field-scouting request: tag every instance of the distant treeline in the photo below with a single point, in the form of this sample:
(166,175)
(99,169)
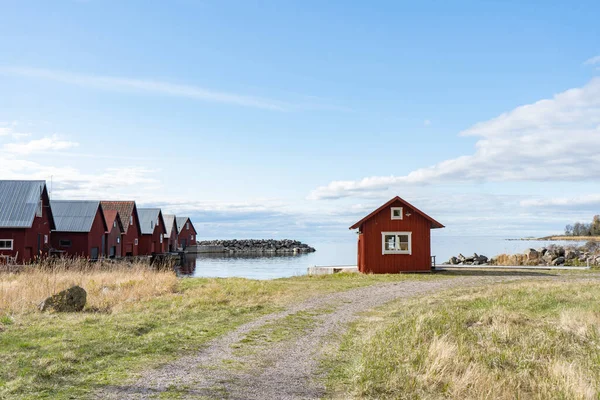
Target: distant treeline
(583,229)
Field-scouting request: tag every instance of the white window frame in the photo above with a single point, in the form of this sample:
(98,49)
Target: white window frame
(401,213)
(114,224)
(131,220)
(136,242)
(161,239)
(384,234)
(12,244)
(45,239)
(118,240)
(187,226)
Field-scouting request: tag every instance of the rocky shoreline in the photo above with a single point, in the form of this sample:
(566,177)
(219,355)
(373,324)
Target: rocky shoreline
(267,246)
(588,254)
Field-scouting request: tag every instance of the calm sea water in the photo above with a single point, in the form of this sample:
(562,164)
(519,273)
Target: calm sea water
(341,252)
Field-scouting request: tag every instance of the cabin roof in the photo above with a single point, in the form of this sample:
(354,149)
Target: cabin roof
(148,219)
(19,202)
(181,223)
(170,223)
(74,215)
(434,223)
(110,216)
(125,208)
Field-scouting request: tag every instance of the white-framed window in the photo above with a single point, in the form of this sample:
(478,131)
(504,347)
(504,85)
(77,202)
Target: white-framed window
(45,239)
(118,240)
(158,222)
(192,237)
(396,212)
(64,243)
(131,220)
(6,244)
(187,225)
(135,242)
(396,242)
(114,224)
(161,239)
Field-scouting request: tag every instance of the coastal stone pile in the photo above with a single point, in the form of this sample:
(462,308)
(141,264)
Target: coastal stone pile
(475,259)
(269,246)
(558,255)
(545,256)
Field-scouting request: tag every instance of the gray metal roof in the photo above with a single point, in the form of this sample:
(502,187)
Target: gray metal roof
(74,215)
(170,223)
(18,202)
(181,223)
(148,219)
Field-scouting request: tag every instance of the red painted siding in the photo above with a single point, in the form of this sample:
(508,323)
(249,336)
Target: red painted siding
(171,242)
(150,244)
(370,257)
(130,237)
(187,234)
(32,242)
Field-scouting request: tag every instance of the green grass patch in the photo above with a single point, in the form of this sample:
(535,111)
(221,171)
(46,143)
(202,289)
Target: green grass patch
(62,356)
(508,341)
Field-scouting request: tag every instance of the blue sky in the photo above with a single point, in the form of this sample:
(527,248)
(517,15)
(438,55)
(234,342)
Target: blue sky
(294,119)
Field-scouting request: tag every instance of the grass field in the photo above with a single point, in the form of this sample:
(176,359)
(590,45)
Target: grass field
(136,318)
(526,340)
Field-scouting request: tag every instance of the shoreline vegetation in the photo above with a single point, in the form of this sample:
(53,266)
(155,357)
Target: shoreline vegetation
(255,246)
(561,238)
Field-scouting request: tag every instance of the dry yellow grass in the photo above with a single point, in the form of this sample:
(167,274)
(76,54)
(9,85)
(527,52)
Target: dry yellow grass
(527,340)
(109,286)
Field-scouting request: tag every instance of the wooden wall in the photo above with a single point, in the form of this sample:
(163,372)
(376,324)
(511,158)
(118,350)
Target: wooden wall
(371,259)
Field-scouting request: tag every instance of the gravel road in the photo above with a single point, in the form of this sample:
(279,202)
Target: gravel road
(286,369)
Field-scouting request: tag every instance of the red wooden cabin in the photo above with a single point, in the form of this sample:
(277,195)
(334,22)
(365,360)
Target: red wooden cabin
(153,231)
(113,234)
(80,228)
(25,220)
(395,238)
(131,225)
(171,242)
(187,232)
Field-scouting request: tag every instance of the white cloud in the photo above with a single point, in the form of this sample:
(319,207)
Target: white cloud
(51,143)
(427,122)
(147,86)
(592,61)
(555,139)
(567,202)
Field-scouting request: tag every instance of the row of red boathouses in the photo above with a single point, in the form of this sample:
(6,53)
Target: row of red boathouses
(31,226)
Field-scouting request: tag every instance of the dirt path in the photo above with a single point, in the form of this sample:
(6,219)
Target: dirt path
(277,356)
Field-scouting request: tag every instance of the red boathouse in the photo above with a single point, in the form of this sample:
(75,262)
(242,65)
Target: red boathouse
(25,220)
(80,228)
(187,232)
(171,242)
(395,238)
(153,231)
(113,234)
(131,225)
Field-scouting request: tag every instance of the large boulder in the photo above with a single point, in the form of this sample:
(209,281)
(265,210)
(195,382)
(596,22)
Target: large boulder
(571,254)
(453,261)
(559,261)
(532,255)
(70,300)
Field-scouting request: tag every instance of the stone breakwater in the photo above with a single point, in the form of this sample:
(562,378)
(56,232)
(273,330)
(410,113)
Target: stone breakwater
(267,246)
(589,254)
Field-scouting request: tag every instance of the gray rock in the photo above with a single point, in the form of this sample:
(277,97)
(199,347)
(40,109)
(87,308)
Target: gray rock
(548,257)
(453,261)
(571,254)
(69,300)
(532,255)
(558,261)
